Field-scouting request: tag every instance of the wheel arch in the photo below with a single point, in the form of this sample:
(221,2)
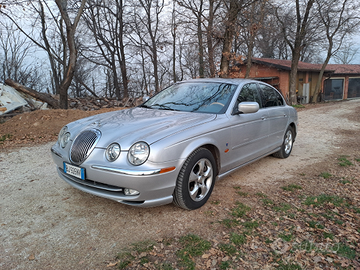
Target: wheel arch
(294,127)
(214,150)
(216,154)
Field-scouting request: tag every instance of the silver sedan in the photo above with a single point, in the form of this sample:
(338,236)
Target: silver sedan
(173,147)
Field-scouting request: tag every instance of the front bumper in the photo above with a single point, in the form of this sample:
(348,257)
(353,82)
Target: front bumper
(109,182)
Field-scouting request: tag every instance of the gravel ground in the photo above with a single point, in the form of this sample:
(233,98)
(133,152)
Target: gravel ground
(46,224)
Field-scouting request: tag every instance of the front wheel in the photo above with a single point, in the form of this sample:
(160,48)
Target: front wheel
(196,180)
(287,145)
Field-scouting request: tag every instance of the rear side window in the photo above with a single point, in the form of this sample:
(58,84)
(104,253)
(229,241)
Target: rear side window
(270,96)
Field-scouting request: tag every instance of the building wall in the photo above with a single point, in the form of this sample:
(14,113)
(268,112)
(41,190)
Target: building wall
(284,80)
(281,79)
(263,71)
(307,77)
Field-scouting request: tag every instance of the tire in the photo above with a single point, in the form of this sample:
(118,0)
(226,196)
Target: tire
(196,180)
(287,145)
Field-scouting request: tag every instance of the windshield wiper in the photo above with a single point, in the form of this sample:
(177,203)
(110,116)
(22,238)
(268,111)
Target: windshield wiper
(145,106)
(163,107)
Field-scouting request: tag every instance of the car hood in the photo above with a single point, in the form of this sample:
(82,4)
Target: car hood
(139,124)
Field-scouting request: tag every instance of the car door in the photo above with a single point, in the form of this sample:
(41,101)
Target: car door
(249,131)
(277,112)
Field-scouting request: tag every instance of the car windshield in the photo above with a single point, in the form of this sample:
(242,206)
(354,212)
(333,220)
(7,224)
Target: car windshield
(212,97)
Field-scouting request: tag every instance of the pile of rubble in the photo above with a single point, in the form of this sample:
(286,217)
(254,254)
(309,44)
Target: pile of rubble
(13,102)
(16,98)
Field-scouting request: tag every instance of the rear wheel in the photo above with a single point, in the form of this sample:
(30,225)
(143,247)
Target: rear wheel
(287,145)
(196,180)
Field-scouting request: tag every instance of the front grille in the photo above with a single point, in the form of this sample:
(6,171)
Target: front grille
(83,145)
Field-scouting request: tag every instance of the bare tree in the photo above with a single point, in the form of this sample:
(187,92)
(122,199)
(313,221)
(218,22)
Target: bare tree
(232,13)
(269,40)
(339,18)
(57,58)
(214,7)
(146,26)
(254,18)
(15,60)
(83,76)
(105,21)
(296,44)
(173,34)
(188,57)
(197,9)
(14,50)
(347,53)
(233,9)
(41,16)
(70,35)
(69,51)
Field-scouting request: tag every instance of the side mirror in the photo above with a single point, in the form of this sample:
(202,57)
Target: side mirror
(248,107)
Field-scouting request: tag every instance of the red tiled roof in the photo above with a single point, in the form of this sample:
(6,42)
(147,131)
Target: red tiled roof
(345,69)
(286,64)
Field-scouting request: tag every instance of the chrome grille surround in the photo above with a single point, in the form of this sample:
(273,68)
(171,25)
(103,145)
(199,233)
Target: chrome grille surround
(83,145)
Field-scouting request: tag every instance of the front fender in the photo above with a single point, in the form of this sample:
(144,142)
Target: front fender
(182,149)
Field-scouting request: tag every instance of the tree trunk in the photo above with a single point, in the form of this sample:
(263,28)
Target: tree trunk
(255,23)
(70,34)
(66,82)
(293,77)
(173,33)
(124,74)
(121,46)
(42,96)
(228,38)
(321,74)
(48,50)
(249,55)
(209,39)
(115,78)
(201,48)
(297,47)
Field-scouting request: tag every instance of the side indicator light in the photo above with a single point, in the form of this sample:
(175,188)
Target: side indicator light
(227,150)
(165,170)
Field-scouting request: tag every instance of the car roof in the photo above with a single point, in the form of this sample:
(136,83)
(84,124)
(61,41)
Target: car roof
(237,81)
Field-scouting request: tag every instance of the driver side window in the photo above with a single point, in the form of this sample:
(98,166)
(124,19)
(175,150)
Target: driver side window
(249,93)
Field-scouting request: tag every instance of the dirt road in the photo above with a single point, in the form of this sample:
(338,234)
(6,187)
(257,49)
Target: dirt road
(46,224)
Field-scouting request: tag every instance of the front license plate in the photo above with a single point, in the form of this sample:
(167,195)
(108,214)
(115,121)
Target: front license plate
(74,171)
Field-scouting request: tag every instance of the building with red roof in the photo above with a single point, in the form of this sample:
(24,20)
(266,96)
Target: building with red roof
(339,81)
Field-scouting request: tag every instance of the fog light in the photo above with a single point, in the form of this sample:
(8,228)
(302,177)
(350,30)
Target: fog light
(131,192)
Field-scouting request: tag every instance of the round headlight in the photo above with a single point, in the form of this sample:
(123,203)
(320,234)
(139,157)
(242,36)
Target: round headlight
(64,139)
(138,153)
(112,152)
(61,133)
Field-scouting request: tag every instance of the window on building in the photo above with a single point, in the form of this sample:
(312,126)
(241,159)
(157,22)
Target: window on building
(333,89)
(354,88)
